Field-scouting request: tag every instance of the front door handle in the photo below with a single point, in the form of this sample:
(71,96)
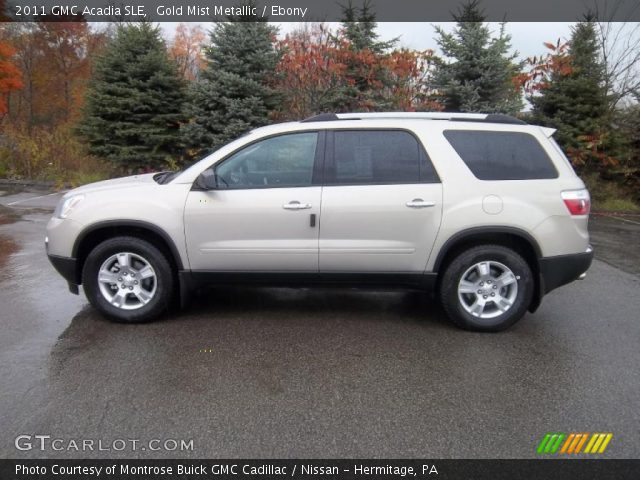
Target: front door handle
(419,203)
(295,205)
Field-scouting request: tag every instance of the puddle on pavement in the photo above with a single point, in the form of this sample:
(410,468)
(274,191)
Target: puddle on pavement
(7,246)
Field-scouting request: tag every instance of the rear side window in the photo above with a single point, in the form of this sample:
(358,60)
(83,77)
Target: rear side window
(378,157)
(502,155)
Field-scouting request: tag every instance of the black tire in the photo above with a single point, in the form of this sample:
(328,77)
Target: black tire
(164,279)
(453,274)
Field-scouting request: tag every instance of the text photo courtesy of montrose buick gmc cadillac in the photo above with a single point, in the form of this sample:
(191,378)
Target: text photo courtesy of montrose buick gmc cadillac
(483,210)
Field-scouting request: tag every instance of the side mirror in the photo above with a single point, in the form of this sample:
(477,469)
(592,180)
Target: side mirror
(207,180)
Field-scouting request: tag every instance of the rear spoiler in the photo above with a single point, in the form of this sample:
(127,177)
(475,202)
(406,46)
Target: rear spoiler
(548,131)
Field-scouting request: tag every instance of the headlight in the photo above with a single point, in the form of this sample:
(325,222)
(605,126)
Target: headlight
(66,205)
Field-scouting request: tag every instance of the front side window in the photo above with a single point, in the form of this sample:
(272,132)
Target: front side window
(283,161)
(378,157)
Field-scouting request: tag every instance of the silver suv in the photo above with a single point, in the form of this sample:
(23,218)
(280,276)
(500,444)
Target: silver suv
(483,210)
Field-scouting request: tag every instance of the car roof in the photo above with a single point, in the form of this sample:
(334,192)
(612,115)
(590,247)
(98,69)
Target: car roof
(399,120)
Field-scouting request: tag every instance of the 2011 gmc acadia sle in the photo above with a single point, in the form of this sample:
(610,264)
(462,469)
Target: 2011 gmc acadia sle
(483,210)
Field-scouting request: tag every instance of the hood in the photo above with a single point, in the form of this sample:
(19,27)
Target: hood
(123,182)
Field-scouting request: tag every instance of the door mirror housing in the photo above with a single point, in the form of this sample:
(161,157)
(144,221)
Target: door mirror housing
(207,180)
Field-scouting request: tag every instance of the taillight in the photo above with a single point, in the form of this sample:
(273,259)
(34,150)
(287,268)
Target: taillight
(577,201)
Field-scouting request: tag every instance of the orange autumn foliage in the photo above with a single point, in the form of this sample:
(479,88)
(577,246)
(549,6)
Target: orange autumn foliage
(55,60)
(10,76)
(310,70)
(317,65)
(186,50)
(541,68)
(410,87)
(49,65)
(66,45)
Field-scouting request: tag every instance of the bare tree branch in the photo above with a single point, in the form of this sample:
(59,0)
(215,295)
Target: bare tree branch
(619,44)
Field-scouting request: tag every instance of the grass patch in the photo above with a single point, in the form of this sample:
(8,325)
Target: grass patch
(82,178)
(617,205)
(50,154)
(79,178)
(609,196)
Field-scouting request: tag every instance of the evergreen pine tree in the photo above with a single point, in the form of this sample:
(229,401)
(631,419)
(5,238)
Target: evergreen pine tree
(232,94)
(134,101)
(367,76)
(576,103)
(359,27)
(479,76)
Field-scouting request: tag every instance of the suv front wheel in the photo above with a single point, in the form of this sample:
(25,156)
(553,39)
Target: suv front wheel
(487,288)
(128,279)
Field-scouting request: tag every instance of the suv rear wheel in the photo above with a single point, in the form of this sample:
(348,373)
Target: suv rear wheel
(487,288)
(128,279)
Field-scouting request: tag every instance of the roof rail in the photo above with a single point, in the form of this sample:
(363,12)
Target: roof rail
(452,116)
(412,115)
(502,118)
(323,117)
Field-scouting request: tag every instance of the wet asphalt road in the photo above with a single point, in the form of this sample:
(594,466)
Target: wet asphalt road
(314,373)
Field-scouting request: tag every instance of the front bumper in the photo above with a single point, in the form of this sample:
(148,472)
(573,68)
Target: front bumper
(68,268)
(562,269)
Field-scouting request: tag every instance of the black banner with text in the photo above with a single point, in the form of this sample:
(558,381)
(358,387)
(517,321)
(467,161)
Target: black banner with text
(547,469)
(314,10)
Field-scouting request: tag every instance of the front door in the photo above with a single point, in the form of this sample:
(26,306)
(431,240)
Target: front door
(262,216)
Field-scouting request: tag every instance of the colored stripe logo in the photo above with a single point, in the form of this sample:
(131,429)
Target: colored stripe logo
(573,443)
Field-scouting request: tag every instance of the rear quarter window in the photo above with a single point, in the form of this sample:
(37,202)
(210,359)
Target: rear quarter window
(502,155)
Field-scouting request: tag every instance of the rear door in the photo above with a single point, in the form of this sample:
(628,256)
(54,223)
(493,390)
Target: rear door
(381,203)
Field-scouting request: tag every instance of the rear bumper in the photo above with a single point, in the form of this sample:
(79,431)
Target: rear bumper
(67,267)
(562,269)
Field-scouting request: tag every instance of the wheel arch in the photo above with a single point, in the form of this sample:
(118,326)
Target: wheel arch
(511,237)
(98,232)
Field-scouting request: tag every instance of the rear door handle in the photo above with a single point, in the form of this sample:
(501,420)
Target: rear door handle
(419,203)
(295,205)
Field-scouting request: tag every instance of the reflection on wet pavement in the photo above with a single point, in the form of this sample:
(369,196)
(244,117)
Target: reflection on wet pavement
(7,248)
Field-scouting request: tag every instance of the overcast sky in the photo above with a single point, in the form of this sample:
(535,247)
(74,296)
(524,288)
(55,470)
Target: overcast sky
(527,37)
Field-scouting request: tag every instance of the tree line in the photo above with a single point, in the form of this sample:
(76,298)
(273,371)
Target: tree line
(79,98)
